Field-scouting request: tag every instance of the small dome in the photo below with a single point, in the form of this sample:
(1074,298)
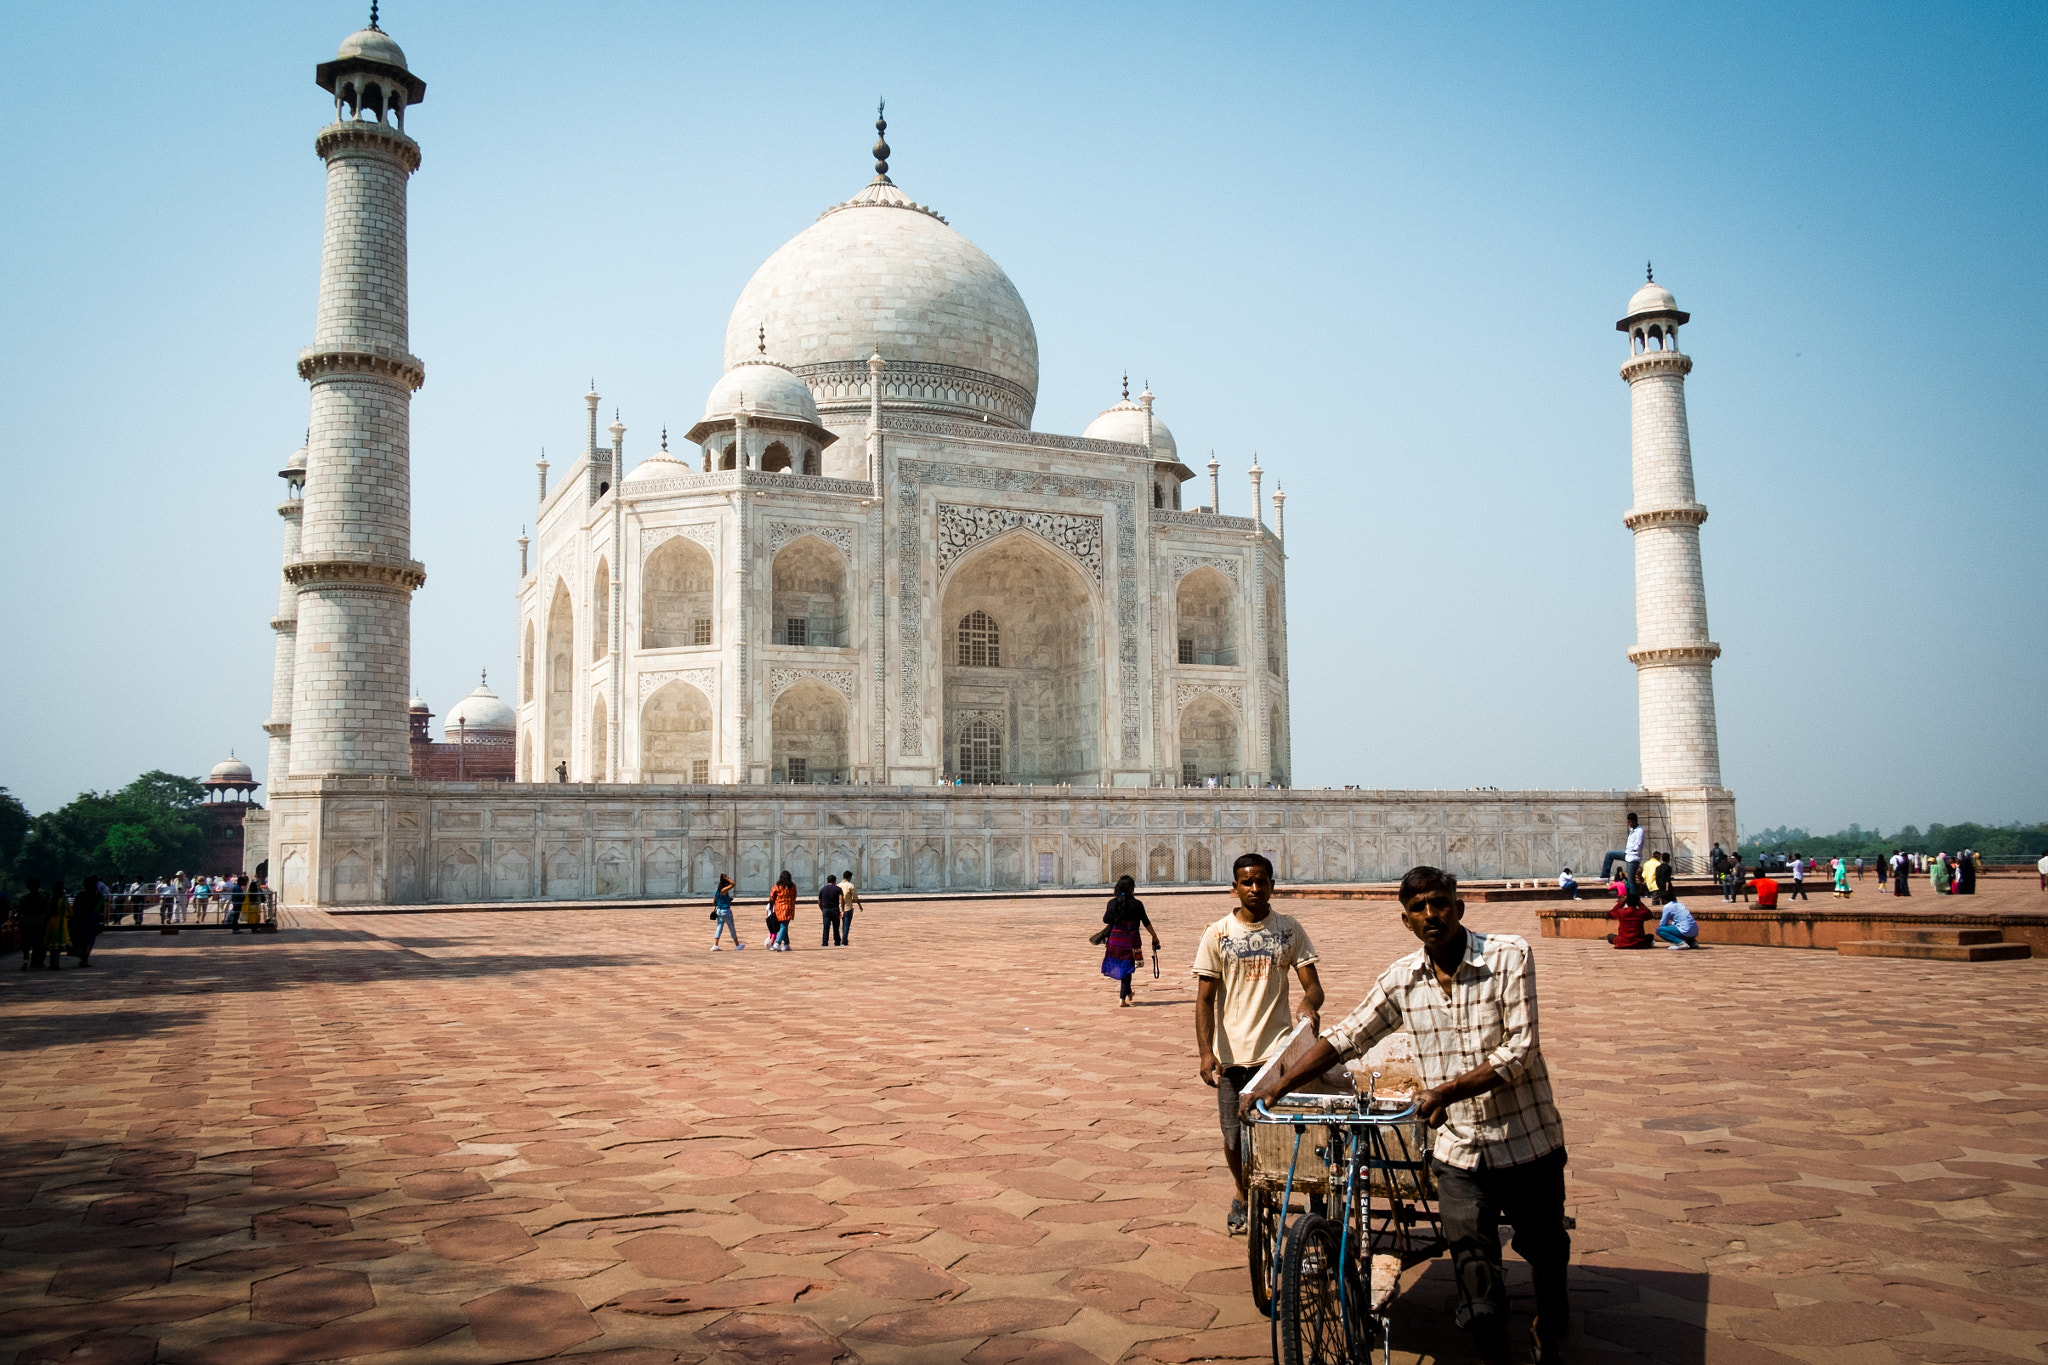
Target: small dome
(298,459)
(483,712)
(1126,422)
(231,770)
(765,389)
(659,465)
(372,45)
(1652,298)
(417,704)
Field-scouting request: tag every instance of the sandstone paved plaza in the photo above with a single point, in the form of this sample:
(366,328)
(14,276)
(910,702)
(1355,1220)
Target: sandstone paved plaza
(509,1135)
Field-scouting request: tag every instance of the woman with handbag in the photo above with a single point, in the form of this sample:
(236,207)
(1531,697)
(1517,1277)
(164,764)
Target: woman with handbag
(721,916)
(1122,954)
(782,909)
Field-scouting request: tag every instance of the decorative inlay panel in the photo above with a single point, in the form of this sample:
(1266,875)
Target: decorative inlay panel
(780,533)
(1229,566)
(839,680)
(962,528)
(1122,494)
(699,678)
(1231,694)
(654,537)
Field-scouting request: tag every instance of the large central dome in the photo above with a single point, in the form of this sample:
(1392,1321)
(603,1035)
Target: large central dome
(880,271)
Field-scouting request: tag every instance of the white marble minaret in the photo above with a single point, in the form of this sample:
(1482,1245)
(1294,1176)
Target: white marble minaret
(286,622)
(1673,656)
(354,573)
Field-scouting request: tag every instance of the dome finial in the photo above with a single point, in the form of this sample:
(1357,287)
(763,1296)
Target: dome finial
(1649,273)
(881,141)
(761,339)
(483,676)
(1127,386)
(373,17)
(664,438)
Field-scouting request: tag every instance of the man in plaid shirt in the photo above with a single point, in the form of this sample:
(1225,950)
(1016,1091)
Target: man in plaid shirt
(1469,999)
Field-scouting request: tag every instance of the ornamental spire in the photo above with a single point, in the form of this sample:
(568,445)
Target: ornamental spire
(1649,273)
(881,141)
(373,17)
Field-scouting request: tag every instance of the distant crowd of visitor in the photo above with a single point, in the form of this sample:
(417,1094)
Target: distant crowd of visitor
(48,926)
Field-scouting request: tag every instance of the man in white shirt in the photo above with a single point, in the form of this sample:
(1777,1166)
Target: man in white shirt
(1469,1001)
(1800,863)
(1241,1009)
(1630,855)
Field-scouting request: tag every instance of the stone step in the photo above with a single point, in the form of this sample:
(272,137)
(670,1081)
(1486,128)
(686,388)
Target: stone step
(1943,935)
(1938,952)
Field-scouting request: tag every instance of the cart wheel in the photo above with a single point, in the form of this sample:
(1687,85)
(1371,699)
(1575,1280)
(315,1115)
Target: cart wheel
(1317,1325)
(1262,1231)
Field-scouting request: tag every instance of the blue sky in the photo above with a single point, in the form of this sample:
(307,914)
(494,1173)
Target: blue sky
(1382,246)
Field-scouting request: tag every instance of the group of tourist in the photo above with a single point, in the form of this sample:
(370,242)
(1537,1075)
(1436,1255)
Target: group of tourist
(837,900)
(52,925)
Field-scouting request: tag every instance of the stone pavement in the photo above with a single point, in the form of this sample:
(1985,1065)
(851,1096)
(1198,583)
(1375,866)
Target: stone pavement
(506,1137)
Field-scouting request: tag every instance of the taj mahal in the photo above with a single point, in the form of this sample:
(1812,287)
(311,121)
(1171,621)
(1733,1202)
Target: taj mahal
(862,616)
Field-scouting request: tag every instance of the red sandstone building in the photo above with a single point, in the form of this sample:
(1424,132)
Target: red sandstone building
(477,740)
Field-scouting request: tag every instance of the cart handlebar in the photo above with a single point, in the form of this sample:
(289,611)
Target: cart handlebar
(1333,1109)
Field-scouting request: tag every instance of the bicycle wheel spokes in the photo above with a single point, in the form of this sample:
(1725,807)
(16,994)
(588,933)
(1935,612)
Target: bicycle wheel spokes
(1310,1314)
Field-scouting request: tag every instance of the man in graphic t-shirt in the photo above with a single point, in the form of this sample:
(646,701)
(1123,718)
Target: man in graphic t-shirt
(1241,1008)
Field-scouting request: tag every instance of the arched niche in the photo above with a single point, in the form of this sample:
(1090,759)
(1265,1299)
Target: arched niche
(526,666)
(775,459)
(599,738)
(1276,745)
(807,733)
(1210,746)
(675,735)
(1205,619)
(561,677)
(675,596)
(809,586)
(1274,629)
(1045,689)
(601,612)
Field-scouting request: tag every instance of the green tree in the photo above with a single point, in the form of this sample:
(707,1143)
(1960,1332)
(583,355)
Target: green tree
(14,823)
(147,829)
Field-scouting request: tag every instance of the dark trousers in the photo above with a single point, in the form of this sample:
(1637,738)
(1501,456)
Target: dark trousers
(845,925)
(1529,1196)
(1798,889)
(832,930)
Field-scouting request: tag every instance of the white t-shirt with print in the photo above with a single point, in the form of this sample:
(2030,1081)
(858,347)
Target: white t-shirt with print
(1250,964)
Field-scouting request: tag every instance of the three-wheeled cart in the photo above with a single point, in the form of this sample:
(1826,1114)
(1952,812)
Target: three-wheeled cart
(1341,1200)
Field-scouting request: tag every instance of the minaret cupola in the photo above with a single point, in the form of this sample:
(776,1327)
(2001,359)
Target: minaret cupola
(369,79)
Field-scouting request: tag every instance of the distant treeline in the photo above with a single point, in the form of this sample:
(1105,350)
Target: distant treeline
(148,829)
(1994,843)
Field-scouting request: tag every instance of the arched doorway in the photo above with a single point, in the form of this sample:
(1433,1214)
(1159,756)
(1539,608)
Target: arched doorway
(1021,653)
(1205,617)
(1209,745)
(807,733)
(561,678)
(675,596)
(675,735)
(809,580)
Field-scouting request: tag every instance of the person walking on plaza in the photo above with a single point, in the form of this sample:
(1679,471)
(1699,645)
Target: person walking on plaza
(782,904)
(721,916)
(1842,891)
(1629,855)
(1967,867)
(1677,927)
(1242,1014)
(1938,874)
(1469,1002)
(828,913)
(1737,881)
(1800,864)
(1902,869)
(88,916)
(849,901)
(32,916)
(1122,951)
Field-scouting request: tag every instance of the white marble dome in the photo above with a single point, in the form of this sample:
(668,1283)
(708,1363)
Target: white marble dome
(882,271)
(484,712)
(1126,422)
(764,388)
(231,770)
(372,45)
(1651,298)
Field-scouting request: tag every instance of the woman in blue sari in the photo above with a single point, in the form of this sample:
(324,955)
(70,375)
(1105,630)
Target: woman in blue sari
(1121,953)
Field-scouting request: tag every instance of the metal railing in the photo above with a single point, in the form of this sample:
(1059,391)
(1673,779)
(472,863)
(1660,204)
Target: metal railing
(129,911)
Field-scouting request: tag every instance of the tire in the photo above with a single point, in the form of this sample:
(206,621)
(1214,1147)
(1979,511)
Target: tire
(1262,1227)
(1311,1317)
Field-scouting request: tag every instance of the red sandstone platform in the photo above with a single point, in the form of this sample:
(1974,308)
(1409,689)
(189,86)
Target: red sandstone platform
(492,1138)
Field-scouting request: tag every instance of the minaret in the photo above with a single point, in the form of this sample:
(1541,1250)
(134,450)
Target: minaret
(1215,485)
(1258,503)
(1279,514)
(354,572)
(286,622)
(1674,659)
(617,605)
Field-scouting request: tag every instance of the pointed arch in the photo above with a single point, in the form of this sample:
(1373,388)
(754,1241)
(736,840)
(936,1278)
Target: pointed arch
(676,596)
(600,612)
(558,720)
(675,734)
(807,733)
(1205,619)
(599,740)
(808,581)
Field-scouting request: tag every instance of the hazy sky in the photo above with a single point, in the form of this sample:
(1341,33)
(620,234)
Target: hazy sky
(1383,246)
